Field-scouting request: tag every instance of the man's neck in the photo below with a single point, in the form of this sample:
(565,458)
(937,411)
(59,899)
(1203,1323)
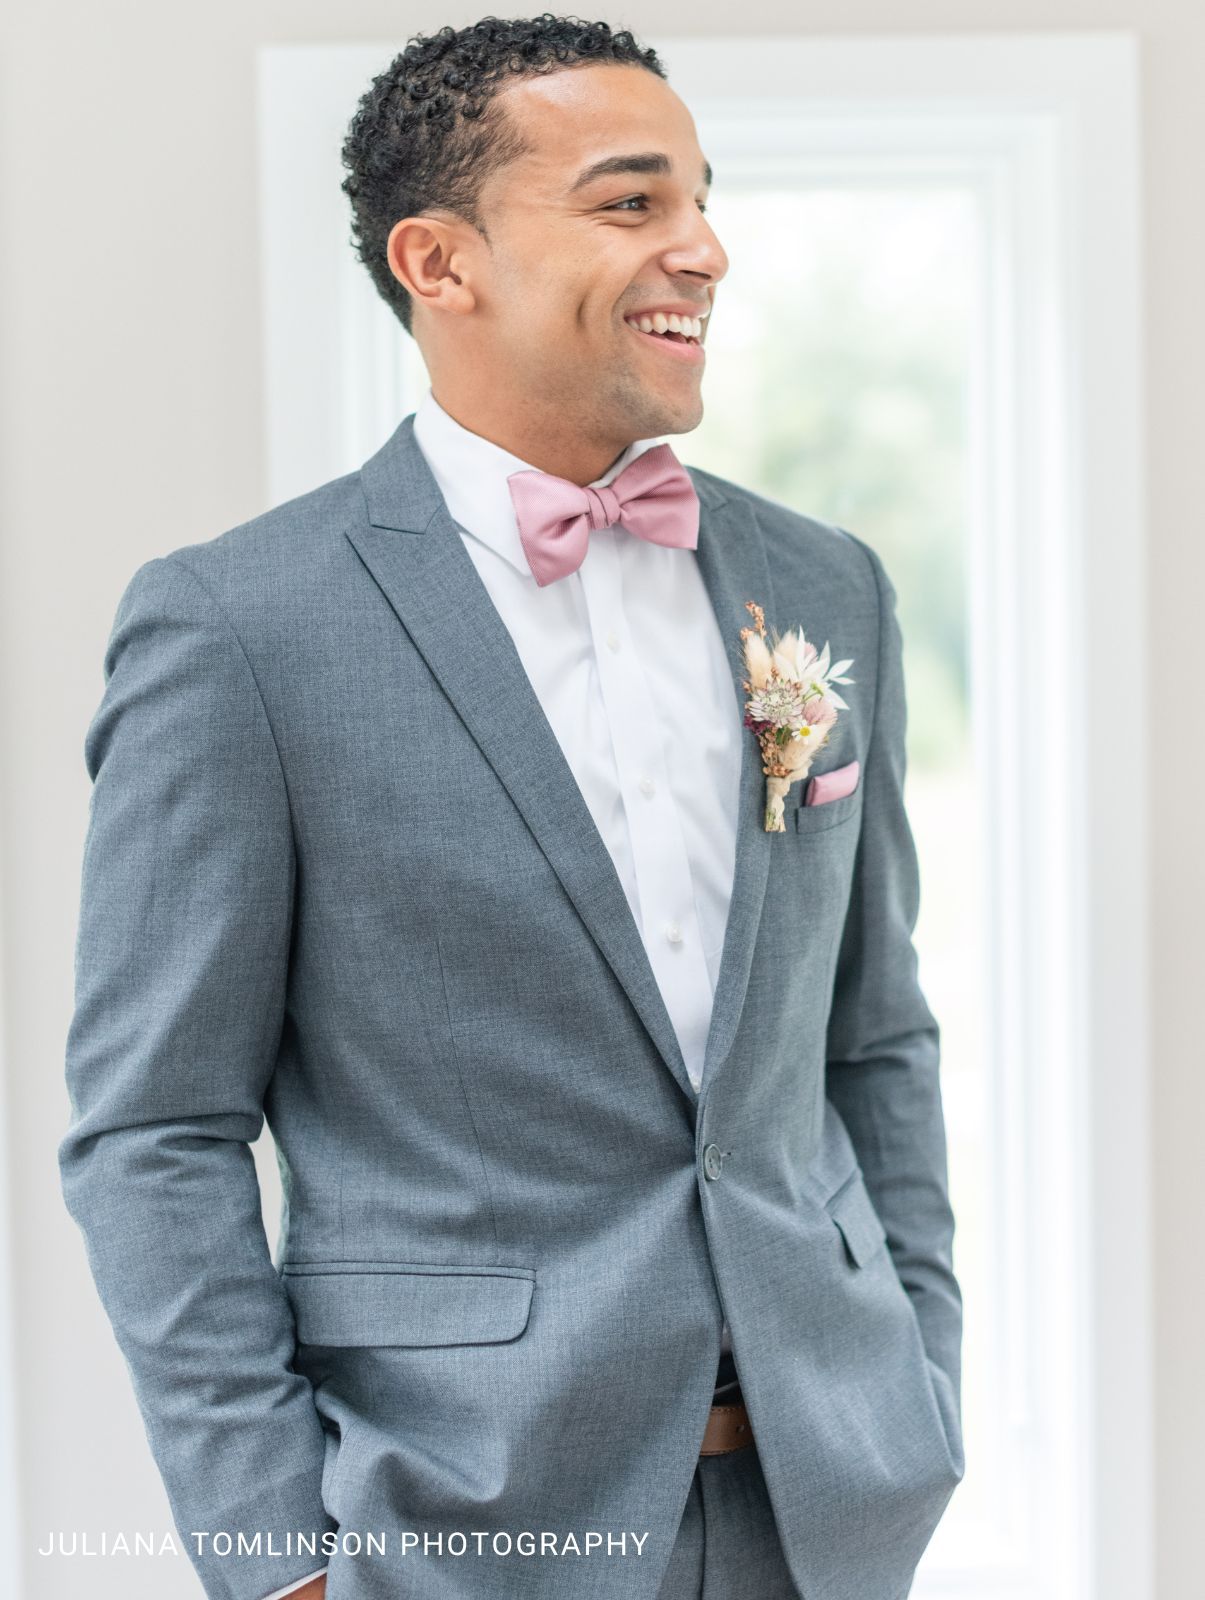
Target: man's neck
(576,460)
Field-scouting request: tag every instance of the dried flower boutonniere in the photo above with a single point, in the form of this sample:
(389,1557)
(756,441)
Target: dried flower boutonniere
(792,707)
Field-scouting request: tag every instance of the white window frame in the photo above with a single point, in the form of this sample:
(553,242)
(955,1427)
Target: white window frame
(1045,130)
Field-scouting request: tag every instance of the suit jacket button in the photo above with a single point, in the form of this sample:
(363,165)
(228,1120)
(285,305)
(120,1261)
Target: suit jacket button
(713,1160)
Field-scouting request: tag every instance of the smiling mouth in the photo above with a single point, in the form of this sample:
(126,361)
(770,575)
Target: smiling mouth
(676,344)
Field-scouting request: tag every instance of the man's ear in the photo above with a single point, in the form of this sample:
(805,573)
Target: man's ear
(430,258)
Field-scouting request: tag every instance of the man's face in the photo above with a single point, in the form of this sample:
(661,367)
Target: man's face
(571,256)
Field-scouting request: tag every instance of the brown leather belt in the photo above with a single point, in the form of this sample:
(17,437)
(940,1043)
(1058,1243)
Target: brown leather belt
(728,1428)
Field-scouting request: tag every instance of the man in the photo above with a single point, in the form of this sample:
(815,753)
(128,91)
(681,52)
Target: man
(616,1253)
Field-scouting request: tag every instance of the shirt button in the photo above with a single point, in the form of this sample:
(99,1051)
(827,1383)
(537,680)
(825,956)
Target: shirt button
(673,933)
(713,1160)
(613,640)
(647,786)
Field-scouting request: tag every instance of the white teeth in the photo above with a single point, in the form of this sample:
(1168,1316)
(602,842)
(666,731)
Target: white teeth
(661,322)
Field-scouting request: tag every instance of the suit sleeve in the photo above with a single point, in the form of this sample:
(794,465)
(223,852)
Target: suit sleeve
(181,962)
(883,1041)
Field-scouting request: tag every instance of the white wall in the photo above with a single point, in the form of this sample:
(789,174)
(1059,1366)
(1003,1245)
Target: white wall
(131,422)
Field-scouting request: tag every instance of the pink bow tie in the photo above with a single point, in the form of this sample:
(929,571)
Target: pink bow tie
(653,497)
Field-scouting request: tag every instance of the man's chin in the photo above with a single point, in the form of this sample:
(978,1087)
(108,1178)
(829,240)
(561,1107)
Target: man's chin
(679,416)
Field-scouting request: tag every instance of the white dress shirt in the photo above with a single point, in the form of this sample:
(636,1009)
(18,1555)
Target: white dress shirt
(626,658)
(627,661)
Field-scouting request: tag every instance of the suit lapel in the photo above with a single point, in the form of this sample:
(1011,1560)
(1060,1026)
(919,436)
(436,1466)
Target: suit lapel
(735,568)
(415,553)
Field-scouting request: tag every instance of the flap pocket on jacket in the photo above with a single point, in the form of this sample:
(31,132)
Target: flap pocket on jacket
(407,1303)
(852,1209)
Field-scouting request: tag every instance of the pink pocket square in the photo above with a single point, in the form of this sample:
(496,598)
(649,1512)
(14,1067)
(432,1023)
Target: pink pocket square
(832,785)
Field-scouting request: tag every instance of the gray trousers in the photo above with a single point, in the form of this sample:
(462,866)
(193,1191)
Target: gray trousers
(727,1546)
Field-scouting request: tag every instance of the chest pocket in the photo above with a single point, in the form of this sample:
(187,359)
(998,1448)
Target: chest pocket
(829,814)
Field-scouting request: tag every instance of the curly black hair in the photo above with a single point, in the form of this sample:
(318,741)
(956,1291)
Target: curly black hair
(423,136)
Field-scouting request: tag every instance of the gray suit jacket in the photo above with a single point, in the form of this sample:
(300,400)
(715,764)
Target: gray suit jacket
(338,874)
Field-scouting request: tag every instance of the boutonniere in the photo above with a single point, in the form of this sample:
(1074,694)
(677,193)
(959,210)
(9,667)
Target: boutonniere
(792,706)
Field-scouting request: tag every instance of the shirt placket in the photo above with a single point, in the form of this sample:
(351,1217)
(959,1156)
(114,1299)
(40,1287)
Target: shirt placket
(667,916)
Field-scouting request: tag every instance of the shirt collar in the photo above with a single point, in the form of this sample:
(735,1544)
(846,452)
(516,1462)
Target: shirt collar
(471,473)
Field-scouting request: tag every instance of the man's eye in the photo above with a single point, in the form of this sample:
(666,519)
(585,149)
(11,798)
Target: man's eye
(620,204)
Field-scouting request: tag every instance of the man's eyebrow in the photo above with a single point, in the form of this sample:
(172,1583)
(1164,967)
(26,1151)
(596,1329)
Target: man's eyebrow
(651,162)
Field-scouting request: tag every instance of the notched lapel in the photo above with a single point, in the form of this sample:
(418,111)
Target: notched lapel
(414,551)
